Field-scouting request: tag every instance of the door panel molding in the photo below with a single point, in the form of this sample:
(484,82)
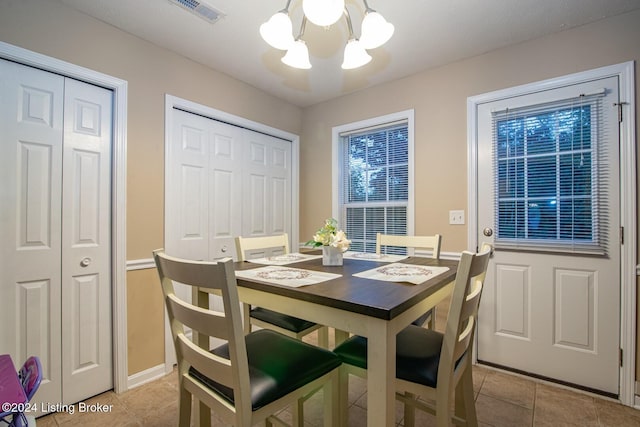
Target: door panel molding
(625,73)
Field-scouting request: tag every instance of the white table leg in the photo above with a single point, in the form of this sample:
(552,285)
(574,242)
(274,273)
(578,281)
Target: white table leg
(381,373)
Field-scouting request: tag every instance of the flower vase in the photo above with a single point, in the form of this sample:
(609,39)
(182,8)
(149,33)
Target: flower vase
(331,256)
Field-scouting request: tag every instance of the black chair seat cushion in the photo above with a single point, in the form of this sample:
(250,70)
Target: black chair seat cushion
(417,354)
(278,365)
(283,321)
(424,318)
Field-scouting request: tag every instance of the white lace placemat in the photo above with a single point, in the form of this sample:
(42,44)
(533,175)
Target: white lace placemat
(286,276)
(284,259)
(367,256)
(397,272)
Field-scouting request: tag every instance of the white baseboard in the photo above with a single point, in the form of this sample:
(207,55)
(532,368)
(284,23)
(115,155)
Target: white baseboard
(145,376)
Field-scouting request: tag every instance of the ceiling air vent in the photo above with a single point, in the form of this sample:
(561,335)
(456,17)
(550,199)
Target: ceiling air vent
(204,11)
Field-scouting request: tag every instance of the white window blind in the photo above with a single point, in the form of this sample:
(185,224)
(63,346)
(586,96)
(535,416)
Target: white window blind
(375,183)
(549,175)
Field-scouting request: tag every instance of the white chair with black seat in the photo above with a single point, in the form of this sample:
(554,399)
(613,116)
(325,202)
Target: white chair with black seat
(250,377)
(430,364)
(429,243)
(265,318)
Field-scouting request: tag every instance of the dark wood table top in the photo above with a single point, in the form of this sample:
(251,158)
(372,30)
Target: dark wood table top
(376,298)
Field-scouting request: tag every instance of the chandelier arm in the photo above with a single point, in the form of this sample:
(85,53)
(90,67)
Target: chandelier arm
(366,7)
(303,26)
(286,8)
(349,25)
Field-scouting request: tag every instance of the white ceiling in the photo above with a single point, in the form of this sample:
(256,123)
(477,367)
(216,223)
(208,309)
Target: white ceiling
(429,33)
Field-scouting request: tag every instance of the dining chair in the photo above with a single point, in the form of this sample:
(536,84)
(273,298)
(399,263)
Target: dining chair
(258,316)
(430,364)
(247,378)
(430,243)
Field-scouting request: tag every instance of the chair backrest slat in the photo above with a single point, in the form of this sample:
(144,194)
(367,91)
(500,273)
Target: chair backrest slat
(244,244)
(218,277)
(463,310)
(431,243)
(208,322)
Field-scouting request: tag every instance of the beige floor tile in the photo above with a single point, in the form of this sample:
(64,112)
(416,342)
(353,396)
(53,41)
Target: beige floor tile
(615,414)
(509,388)
(559,407)
(496,412)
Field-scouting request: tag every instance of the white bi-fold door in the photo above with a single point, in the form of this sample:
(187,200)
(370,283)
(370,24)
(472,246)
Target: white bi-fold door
(223,181)
(55,230)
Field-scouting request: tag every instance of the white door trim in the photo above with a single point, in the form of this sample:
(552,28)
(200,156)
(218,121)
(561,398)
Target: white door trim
(172,102)
(625,72)
(119,180)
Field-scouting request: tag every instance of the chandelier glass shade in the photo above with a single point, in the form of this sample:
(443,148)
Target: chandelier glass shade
(278,33)
(323,12)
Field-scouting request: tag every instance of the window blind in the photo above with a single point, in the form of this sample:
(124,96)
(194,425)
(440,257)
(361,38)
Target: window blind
(549,175)
(375,183)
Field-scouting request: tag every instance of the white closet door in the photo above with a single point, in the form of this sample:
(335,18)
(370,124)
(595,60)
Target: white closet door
(268,185)
(223,181)
(186,204)
(31,119)
(86,242)
(225,188)
(55,230)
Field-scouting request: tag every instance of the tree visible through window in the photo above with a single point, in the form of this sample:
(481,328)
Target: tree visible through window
(546,175)
(375,184)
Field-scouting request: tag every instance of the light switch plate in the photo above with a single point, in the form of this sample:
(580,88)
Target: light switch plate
(456,217)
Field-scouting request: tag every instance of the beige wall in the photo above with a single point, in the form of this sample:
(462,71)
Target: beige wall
(50,28)
(438,97)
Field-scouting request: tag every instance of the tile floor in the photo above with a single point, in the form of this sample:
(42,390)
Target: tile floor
(502,399)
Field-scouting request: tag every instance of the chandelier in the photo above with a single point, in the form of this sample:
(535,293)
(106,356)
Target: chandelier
(278,32)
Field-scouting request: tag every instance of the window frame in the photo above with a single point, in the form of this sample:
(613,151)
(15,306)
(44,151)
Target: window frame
(337,172)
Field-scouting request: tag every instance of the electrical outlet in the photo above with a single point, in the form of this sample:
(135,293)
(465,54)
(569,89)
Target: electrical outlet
(456,217)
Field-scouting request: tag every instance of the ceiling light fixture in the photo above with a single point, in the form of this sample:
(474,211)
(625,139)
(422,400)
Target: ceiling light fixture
(278,33)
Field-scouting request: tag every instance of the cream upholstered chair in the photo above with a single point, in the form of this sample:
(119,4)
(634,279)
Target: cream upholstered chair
(431,243)
(264,318)
(250,377)
(430,364)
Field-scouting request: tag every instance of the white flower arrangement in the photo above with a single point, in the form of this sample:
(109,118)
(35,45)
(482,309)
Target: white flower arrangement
(329,235)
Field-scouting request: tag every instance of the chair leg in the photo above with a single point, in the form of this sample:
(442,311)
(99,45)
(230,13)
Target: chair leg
(331,396)
(431,321)
(465,401)
(298,413)
(409,411)
(323,337)
(443,405)
(343,396)
(184,409)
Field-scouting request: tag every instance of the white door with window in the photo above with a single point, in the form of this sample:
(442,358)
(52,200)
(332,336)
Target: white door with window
(548,199)
(55,230)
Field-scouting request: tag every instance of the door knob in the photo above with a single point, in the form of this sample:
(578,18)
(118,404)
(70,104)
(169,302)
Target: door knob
(223,249)
(85,262)
(487,232)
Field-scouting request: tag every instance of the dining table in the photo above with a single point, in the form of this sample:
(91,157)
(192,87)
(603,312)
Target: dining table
(354,298)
